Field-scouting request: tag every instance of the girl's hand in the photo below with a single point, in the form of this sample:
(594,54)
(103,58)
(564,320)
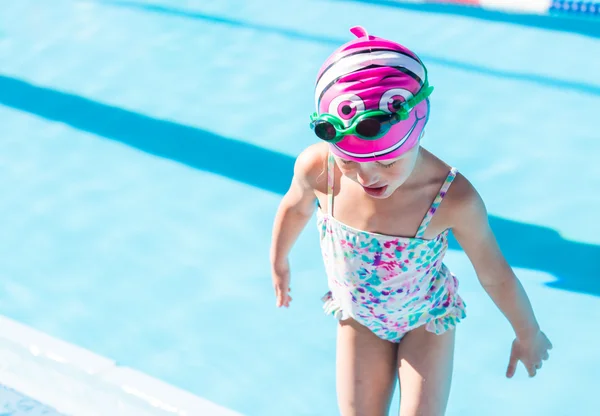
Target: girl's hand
(530,351)
(281,283)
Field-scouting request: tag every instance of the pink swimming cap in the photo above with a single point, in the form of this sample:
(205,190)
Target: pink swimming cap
(370,73)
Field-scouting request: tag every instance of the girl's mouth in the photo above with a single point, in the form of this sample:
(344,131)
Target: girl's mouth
(376,191)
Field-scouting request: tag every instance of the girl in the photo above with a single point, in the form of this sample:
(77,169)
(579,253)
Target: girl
(386,206)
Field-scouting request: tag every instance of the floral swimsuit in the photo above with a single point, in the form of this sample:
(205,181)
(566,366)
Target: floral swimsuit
(389,284)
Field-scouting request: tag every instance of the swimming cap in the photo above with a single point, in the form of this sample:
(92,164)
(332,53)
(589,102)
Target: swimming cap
(371,73)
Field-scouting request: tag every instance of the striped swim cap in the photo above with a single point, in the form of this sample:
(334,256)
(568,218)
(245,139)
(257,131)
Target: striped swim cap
(371,73)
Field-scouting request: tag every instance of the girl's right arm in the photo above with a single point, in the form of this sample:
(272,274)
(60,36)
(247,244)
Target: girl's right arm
(294,211)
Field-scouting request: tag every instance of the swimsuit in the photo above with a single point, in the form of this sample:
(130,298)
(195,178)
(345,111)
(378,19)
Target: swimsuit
(387,283)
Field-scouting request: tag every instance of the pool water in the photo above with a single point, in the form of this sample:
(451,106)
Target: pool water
(146,145)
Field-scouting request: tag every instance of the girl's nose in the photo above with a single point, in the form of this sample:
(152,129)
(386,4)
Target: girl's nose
(366,179)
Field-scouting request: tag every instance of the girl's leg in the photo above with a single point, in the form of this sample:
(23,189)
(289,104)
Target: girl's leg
(366,371)
(425,362)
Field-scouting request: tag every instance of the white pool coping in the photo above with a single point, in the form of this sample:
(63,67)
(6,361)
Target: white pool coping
(77,382)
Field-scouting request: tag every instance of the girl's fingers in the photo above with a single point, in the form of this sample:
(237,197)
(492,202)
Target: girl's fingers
(531,370)
(283,298)
(280,296)
(512,363)
(512,367)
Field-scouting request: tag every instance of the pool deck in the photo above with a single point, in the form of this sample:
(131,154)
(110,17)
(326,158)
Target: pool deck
(70,380)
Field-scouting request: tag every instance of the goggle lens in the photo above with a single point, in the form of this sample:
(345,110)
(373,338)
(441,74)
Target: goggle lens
(325,130)
(369,127)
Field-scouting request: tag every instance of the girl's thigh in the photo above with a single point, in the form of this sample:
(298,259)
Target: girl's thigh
(366,371)
(425,362)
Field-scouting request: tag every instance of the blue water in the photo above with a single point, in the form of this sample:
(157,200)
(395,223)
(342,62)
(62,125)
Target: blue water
(13,403)
(145,147)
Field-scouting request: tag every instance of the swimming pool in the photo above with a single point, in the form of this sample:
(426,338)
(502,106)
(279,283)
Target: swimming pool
(135,228)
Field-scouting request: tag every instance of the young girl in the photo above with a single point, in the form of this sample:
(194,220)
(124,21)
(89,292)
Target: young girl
(386,206)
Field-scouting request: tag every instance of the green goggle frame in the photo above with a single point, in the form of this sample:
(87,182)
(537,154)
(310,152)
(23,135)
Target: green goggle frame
(370,125)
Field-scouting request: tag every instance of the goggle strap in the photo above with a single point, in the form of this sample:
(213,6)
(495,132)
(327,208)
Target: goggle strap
(423,94)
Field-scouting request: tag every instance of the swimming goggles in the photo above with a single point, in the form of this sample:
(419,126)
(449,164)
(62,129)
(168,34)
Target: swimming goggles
(370,125)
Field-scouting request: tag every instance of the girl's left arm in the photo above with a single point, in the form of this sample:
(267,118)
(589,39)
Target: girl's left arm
(471,228)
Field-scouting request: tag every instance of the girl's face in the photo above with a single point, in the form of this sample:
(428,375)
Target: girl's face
(380,179)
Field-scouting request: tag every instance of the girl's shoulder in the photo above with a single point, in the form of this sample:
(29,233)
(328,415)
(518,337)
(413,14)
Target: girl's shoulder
(461,199)
(461,188)
(463,202)
(311,166)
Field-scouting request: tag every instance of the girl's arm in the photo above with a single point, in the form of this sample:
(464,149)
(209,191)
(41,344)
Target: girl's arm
(294,211)
(472,231)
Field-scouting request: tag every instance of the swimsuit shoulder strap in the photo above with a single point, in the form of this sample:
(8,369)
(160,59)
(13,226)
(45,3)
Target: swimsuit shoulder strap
(436,202)
(330,183)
